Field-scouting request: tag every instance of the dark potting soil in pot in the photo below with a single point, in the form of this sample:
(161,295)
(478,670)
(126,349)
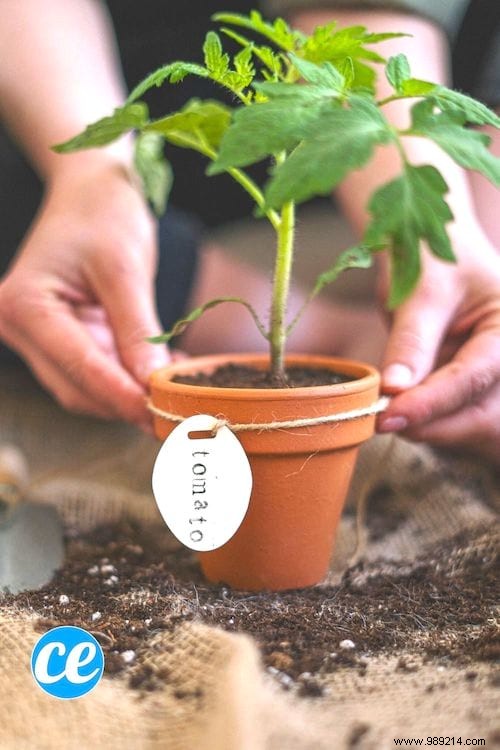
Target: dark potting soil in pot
(124,584)
(239,376)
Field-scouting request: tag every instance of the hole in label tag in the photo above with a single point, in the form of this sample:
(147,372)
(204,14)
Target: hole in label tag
(201,435)
(202,482)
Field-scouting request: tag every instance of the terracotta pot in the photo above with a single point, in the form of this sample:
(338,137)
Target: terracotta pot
(300,475)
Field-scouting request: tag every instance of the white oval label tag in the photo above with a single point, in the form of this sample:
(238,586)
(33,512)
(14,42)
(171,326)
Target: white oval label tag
(202,484)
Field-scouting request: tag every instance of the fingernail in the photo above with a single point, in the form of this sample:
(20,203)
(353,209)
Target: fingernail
(393,424)
(397,376)
(143,371)
(162,360)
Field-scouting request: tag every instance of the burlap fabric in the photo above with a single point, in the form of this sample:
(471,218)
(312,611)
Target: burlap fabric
(97,473)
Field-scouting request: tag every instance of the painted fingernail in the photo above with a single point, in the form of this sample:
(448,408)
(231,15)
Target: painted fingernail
(393,424)
(397,376)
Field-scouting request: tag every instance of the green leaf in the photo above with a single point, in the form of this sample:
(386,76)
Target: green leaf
(373,38)
(398,71)
(467,147)
(269,127)
(329,44)
(216,60)
(347,71)
(153,169)
(359,256)
(265,54)
(416,87)
(174,72)
(326,43)
(325,76)
(108,129)
(340,140)
(405,211)
(368,54)
(405,268)
(270,60)
(181,325)
(364,77)
(243,64)
(265,129)
(278,32)
(303,95)
(399,76)
(199,125)
(453,103)
(318,41)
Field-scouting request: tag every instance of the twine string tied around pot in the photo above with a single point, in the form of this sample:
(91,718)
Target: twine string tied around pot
(376,408)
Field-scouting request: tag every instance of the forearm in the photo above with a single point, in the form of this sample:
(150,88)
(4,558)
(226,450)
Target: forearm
(60,71)
(427,52)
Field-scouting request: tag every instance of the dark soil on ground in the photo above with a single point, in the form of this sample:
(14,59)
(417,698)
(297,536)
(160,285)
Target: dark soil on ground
(238,376)
(124,584)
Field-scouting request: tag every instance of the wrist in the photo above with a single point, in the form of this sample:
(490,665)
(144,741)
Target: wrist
(118,155)
(96,182)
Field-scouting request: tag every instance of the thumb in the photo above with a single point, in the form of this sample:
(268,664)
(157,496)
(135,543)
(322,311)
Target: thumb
(418,329)
(130,305)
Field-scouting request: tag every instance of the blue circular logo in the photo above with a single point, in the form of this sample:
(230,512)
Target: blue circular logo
(67,662)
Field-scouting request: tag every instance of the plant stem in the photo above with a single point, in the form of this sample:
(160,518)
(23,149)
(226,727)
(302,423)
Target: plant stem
(281,288)
(388,99)
(252,189)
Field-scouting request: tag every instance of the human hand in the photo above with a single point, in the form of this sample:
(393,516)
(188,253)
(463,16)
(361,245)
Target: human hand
(78,301)
(442,360)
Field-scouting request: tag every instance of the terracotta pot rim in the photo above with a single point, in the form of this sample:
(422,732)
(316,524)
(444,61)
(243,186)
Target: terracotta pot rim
(365,375)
